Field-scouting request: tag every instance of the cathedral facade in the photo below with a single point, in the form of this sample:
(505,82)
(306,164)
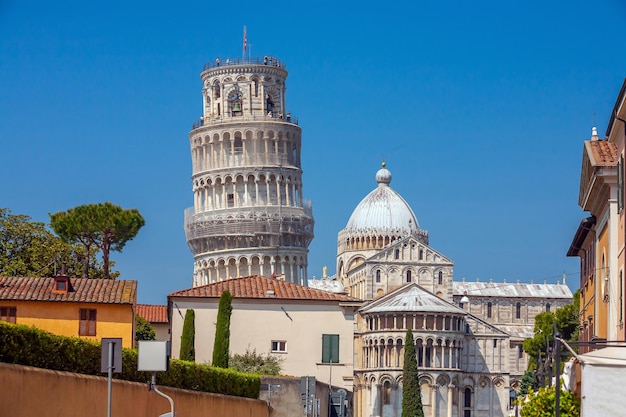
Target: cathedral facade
(467,336)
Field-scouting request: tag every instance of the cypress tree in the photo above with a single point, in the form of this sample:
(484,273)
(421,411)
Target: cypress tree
(411,393)
(221,346)
(187,339)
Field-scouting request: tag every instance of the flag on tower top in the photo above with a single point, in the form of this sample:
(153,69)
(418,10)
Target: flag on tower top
(245,39)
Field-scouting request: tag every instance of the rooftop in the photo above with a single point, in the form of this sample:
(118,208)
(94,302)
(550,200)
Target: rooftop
(82,290)
(383,210)
(262,287)
(411,297)
(602,152)
(495,289)
(153,313)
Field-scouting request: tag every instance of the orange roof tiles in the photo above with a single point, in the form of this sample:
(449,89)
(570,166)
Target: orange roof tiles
(603,152)
(262,287)
(82,290)
(152,313)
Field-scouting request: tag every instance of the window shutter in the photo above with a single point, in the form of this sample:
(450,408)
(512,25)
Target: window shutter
(92,322)
(82,328)
(325,348)
(330,348)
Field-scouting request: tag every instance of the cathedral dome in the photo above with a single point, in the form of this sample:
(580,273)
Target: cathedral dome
(383,210)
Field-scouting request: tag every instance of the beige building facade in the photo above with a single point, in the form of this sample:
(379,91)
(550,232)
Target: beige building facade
(309,330)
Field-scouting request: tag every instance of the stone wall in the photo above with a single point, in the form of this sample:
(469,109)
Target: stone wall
(34,392)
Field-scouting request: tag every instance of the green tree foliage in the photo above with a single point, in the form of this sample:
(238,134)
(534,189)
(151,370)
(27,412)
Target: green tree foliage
(543,335)
(566,319)
(143,329)
(256,363)
(188,338)
(543,403)
(221,346)
(27,248)
(528,380)
(104,226)
(411,391)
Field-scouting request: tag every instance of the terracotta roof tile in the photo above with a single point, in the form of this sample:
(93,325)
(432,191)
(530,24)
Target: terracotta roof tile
(262,287)
(82,290)
(603,152)
(153,313)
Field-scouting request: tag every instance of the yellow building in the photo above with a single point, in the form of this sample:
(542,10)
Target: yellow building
(584,246)
(596,241)
(79,307)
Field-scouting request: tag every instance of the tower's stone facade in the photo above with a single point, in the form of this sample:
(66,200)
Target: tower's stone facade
(249,216)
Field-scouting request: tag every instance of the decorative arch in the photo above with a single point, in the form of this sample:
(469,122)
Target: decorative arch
(443,380)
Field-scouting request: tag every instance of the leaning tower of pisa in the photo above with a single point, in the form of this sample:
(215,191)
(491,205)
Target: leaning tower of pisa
(249,216)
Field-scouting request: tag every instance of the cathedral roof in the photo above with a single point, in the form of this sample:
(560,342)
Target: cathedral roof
(524,290)
(411,298)
(383,210)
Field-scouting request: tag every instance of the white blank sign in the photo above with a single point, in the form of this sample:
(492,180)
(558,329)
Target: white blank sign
(153,356)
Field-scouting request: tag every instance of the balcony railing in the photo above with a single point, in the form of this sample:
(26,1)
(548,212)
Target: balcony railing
(269,117)
(269,61)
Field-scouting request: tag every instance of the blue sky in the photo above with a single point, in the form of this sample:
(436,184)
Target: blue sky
(479,109)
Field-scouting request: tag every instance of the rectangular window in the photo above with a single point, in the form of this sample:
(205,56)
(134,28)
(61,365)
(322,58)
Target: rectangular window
(520,351)
(330,348)
(518,311)
(87,325)
(8,314)
(279,346)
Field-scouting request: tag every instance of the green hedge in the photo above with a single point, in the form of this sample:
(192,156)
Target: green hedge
(25,345)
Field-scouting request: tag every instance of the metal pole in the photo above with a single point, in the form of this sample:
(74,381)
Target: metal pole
(110,377)
(557,352)
(330,388)
(156,389)
(269,400)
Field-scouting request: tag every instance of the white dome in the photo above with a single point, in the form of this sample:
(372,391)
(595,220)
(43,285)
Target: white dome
(383,210)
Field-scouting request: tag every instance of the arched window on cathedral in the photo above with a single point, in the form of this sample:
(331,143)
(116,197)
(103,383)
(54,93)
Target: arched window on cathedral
(397,254)
(408,276)
(467,402)
(518,310)
(440,278)
(378,275)
(387,392)
(548,307)
(489,310)
(421,254)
